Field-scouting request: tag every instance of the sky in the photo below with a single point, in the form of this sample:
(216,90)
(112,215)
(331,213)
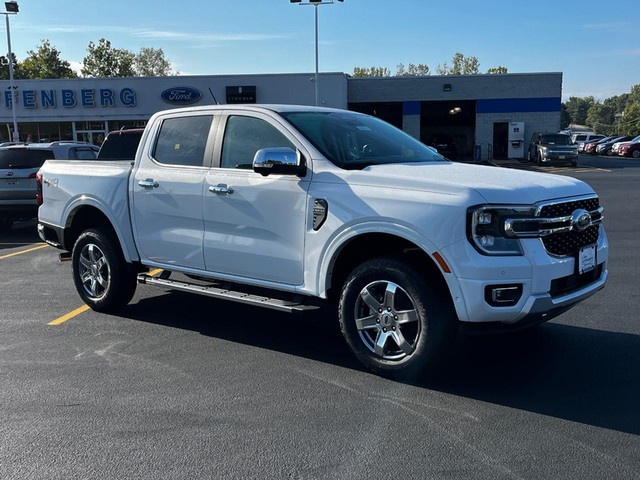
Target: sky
(598,53)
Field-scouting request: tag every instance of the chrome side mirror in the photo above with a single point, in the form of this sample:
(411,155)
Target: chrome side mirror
(280,160)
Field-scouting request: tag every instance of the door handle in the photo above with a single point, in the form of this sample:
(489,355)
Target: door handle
(221,188)
(148,183)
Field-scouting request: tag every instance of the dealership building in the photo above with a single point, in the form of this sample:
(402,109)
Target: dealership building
(487,116)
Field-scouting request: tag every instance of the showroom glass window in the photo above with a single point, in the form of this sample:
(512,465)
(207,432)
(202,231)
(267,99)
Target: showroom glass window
(183,141)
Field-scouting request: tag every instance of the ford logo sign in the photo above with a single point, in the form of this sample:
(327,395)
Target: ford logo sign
(181,95)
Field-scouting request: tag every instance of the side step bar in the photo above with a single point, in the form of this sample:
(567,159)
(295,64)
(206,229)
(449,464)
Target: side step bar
(289,306)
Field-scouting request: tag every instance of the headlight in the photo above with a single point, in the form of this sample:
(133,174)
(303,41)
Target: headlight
(486,228)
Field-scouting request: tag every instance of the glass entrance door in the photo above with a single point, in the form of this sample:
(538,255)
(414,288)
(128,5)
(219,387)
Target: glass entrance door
(92,132)
(95,137)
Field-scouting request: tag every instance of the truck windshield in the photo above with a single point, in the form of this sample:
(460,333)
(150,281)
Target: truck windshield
(354,141)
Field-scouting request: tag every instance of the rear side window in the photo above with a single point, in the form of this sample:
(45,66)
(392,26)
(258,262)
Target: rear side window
(24,158)
(183,140)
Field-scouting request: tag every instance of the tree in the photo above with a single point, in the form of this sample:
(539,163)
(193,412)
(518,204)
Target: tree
(578,108)
(601,117)
(497,70)
(413,70)
(4,67)
(460,65)
(630,123)
(103,60)
(45,62)
(151,62)
(363,72)
(565,118)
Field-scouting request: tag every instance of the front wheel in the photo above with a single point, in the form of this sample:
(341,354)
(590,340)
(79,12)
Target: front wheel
(393,320)
(101,275)
(636,153)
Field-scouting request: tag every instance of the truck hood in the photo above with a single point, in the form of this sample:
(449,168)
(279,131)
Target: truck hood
(494,184)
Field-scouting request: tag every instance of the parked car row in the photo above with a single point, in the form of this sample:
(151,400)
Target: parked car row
(616,145)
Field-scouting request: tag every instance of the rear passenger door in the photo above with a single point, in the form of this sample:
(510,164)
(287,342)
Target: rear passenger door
(167,189)
(254,225)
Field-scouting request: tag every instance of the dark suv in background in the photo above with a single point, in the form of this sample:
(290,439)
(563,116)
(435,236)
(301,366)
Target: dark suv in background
(445,145)
(19,165)
(552,148)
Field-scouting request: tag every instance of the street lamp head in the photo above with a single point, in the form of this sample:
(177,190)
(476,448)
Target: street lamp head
(11,7)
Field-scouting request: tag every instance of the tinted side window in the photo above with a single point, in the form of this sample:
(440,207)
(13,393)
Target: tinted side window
(183,140)
(244,136)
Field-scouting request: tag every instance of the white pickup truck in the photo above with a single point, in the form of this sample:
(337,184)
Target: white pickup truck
(291,207)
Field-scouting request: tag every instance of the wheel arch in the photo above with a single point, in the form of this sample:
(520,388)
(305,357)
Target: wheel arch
(364,246)
(86,216)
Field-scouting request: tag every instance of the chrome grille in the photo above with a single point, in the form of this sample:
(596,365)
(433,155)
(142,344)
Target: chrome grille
(568,243)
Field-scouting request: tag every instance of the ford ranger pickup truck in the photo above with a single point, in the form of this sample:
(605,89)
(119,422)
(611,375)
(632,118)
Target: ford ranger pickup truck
(290,208)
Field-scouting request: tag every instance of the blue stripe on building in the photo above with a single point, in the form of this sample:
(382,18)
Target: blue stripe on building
(411,108)
(510,105)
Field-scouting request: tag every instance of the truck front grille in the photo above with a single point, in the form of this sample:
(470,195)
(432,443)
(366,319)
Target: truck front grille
(568,243)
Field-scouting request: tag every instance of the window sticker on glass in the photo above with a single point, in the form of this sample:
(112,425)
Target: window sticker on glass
(177,146)
(363,128)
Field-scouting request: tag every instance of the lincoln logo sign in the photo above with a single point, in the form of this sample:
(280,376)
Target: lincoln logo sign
(181,95)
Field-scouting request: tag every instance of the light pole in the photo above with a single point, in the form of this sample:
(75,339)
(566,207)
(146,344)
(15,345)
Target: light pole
(12,8)
(316,3)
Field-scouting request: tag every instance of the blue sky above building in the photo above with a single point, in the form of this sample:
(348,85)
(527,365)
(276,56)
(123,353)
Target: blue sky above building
(598,53)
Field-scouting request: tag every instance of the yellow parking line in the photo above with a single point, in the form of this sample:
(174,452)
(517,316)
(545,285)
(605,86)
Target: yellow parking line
(69,315)
(84,308)
(23,251)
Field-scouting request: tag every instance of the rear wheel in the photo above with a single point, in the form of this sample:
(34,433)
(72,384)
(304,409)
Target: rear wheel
(393,320)
(104,280)
(636,153)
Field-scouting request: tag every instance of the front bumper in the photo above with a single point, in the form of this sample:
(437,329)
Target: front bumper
(550,284)
(559,157)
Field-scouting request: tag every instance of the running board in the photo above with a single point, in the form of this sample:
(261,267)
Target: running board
(289,306)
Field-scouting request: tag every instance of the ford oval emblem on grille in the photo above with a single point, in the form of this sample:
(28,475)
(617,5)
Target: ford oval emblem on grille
(181,95)
(580,220)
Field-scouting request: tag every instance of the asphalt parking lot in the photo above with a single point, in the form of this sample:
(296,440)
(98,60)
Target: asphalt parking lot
(181,386)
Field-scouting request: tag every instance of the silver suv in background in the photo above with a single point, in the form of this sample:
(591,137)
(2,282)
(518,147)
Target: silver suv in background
(581,139)
(19,165)
(552,148)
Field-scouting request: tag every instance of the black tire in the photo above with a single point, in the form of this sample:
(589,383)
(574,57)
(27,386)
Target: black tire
(636,153)
(103,279)
(393,320)
(574,163)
